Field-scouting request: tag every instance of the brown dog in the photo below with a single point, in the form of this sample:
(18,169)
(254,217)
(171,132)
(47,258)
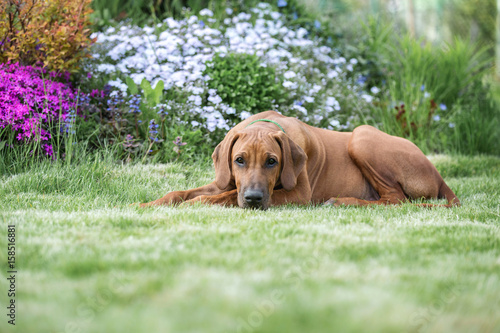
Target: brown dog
(270,160)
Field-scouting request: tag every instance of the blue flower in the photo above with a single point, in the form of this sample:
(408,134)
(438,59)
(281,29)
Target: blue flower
(295,16)
(202,24)
(282,3)
(153,130)
(361,80)
(317,24)
(442,106)
(422,88)
(135,104)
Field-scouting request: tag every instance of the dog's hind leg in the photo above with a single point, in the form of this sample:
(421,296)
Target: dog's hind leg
(395,168)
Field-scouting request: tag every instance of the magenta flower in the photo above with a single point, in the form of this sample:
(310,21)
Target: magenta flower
(30,101)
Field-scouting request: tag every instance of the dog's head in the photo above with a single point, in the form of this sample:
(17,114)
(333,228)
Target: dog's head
(257,163)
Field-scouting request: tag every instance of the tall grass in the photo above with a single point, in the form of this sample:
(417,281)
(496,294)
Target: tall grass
(436,95)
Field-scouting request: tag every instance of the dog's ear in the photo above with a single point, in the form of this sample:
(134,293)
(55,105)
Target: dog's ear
(294,159)
(222,161)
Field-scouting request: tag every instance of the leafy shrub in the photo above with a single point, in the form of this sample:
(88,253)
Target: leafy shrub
(244,83)
(51,33)
(32,106)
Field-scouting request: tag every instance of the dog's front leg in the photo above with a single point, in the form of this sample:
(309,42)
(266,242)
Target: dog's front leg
(301,194)
(229,198)
(177,197)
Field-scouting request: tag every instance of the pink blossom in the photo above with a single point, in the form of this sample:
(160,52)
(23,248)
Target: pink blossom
(29,101)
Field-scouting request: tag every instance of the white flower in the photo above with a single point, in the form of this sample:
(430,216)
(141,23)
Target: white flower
(245,114)
(375,90)
(196,99)
(229,11)
(215,99)
(426,95)
(193,19)
(308,99)
(197,90)
(315,89)
(331,101)
(119,84)
(367,98)
(335,123)
(332,74)
(290,85)
(206,12)
(212,92)
(244,16)
(354,61)
(451,125)
(289,75)
(105,68)
(227,21)
(275,15)
(300,109)
(436,118)
(349,67)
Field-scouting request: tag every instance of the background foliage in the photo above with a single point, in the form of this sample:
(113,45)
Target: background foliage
(318,66)
(51,33)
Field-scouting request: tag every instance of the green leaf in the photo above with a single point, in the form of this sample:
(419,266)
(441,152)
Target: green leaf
(158,92)
(2,144)
(132,87)
(146,88)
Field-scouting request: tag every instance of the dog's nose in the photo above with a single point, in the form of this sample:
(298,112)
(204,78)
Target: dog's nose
(253,197)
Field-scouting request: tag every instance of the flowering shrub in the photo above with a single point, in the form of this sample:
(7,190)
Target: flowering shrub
(50,33)
(319,85)
(32,104)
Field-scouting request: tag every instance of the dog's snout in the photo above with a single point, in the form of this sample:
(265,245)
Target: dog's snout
(253,197)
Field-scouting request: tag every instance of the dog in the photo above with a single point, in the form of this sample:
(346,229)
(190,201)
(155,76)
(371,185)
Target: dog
(271,160)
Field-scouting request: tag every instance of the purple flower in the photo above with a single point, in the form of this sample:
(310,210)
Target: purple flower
(89,76)
(178,142)
(153,130)
(30,102)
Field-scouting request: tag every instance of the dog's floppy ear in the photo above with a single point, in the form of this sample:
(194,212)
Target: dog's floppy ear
(222,161)
(294,159)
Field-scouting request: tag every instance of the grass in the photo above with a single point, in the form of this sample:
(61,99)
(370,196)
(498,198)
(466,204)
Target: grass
(89,262)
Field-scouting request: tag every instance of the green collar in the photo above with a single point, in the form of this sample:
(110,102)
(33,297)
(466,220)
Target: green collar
(269,121)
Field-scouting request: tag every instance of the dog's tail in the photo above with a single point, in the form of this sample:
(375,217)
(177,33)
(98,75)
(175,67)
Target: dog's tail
(446,193)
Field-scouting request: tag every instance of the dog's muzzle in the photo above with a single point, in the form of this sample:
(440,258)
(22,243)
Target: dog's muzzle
(254,198)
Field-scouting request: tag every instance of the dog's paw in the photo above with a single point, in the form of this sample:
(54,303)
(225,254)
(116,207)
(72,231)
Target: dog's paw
(330,202)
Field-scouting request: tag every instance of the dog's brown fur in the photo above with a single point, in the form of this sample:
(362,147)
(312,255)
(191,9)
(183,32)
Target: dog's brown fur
(365,167)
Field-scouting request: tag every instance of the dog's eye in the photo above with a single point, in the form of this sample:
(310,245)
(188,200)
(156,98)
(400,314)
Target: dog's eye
(240,160)
(271,162)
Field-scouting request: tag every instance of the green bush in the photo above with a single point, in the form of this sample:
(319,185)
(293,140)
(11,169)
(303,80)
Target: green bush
(245,83)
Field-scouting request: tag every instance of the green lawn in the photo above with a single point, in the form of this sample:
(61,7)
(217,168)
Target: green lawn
(89,262)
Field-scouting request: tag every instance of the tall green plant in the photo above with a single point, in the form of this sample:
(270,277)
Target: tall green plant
(431,89)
